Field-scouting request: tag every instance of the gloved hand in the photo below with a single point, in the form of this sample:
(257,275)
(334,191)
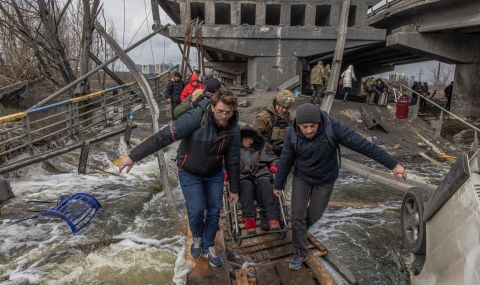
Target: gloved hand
(273,169)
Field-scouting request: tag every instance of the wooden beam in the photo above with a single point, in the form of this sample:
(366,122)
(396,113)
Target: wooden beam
(337,57)
(319,271)
(241,277)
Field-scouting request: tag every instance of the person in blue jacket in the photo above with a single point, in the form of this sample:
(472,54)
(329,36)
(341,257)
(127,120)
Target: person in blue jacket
(210,141)
(311,147)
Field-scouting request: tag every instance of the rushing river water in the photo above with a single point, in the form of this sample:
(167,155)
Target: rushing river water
(136,239)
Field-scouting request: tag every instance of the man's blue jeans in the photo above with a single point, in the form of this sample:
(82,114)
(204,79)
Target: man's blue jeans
(203,197)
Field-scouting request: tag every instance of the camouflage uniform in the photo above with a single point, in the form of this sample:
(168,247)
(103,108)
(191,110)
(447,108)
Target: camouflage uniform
(369,86)
(271,125)
(317,81)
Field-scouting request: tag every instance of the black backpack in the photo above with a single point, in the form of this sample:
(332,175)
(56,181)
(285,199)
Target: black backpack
(331,138)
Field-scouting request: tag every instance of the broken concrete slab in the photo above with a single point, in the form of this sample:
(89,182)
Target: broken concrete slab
(290,83)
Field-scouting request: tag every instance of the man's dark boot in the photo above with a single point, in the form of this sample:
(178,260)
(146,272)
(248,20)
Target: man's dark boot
(264,224)
(297,260)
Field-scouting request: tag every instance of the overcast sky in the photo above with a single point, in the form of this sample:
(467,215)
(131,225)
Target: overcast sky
(136,11)
(164,50)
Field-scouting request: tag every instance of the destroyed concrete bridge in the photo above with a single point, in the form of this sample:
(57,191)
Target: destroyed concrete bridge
(265,43)
(445,30)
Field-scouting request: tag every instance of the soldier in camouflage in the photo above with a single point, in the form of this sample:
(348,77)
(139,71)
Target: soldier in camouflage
(369,87)
(326,76)
(273,122)
(317,77)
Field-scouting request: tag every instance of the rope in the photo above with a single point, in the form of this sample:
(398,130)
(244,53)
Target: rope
(123,40)
(148,30)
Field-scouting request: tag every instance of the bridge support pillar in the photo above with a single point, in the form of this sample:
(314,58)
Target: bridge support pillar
(466,90)
(270,72)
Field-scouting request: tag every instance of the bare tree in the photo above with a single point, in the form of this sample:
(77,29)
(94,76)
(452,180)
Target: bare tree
(90,12)
(440,75)
(51,38)
(37,25)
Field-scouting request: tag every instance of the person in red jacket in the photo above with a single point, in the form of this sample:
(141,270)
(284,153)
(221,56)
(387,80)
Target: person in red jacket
(193,85)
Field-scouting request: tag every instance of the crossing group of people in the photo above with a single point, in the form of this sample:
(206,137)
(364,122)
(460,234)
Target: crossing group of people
(422,88)
(375,89)
(319,76)
(255,160)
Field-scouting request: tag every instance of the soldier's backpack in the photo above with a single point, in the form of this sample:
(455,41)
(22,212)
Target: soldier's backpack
(331,138)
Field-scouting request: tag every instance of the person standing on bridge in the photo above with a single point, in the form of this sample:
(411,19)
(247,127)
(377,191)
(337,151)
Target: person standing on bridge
(193,84)
(448,93)
(211,86)
(311,147)
(348,76)
(173,90)
(317,79)
(210,140)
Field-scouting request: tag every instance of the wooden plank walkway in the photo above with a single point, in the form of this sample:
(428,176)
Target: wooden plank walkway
(267,258)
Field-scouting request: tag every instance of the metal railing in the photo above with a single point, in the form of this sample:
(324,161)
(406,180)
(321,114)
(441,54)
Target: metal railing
(437,125)
(77,118)
(386,7)
(381,5)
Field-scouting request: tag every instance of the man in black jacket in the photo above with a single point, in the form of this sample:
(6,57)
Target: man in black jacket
(311,147)
(173,90)
(210,135)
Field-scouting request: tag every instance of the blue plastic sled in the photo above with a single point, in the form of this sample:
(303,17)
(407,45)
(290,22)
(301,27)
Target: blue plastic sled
(77,210)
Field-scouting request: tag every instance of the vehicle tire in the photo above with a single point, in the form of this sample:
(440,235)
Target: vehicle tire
(413,226)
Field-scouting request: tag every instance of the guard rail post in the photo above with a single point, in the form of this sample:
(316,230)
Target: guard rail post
(104,110)
(474,145)
(69,120)
(82,162)
(28,134)
(438,126)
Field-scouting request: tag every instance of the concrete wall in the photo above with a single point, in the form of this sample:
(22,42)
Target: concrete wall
(270,72)
(360,17)
(466,90)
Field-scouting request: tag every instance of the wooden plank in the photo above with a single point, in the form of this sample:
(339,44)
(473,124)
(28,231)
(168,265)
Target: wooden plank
(293,277)
(273,254)
(203,273)
(313,240)
(259,240)
(319,271)
(241,277)
(266,246)
(266,275)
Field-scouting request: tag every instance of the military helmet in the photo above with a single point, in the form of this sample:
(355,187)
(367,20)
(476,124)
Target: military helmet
(320,62)
(284,98)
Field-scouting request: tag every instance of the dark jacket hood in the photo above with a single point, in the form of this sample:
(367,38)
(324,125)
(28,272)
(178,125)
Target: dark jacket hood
(193,78)
(258,140)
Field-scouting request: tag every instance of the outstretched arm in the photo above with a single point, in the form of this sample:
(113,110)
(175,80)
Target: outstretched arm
(175,130)
(354,141)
